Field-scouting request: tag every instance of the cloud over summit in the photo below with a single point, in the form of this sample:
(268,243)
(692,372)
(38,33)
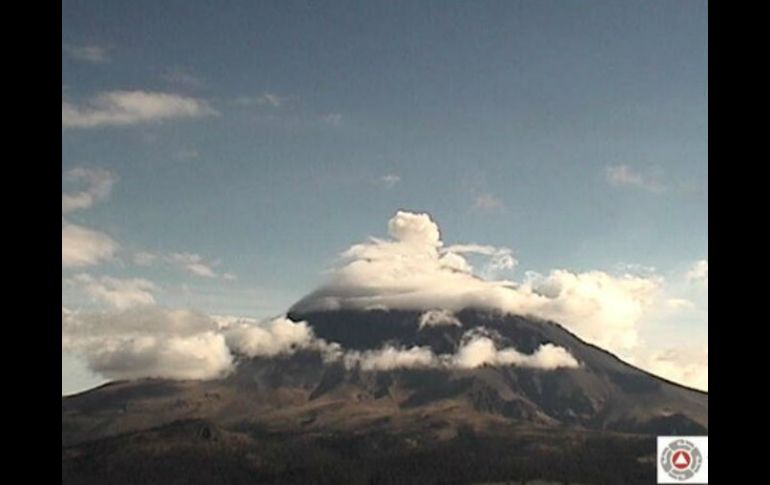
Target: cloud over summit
(411,269)
(415,270)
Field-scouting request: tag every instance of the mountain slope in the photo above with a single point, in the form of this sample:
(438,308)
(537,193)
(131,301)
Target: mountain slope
(300,399)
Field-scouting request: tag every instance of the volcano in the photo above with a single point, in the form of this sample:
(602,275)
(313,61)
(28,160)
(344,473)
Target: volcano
(301,418)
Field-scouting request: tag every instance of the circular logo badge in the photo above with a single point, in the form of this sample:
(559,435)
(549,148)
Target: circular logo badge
(681,459)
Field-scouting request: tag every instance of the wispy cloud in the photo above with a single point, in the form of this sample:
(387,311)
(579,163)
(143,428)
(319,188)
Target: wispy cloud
(116,108)
(390,180)
(182,77)
(264,99)
(116,292)
(333,119)
(87,53)
(699,273)
(626,176)
(191,263)
(98,182)
(81,246)
(487,202)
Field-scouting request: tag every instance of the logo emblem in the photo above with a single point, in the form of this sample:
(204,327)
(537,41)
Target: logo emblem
(680,460)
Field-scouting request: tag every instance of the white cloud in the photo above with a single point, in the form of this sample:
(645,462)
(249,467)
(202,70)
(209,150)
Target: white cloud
(480,350)
(498,259)
(147,342)
(389,358)
(268,339)
(625,176)
(487,202)
(202,356)
(685,365)
(151,341)
(699,273)
(98,182)
(601,308)
(477,350)
(436,318)
(118,293)
(414,229)
(87,53)
(81,246)
(116,108)
(679,304)
(413,272)
(390,180)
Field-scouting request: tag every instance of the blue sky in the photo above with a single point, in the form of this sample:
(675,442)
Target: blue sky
(573,132)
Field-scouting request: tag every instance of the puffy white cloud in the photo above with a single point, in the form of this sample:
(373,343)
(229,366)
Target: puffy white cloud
(268,339)
(116,108)
(81,246)
(151,341)
(413,272)
(201,356)
(477,350)
(98,182)
(480,350)
(147,342)
(699,273)
(416,229)
(119,293)
(436,318)
(389,358)
(603,309)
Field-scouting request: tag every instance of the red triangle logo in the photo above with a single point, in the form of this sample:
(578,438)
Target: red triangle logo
(681,459)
